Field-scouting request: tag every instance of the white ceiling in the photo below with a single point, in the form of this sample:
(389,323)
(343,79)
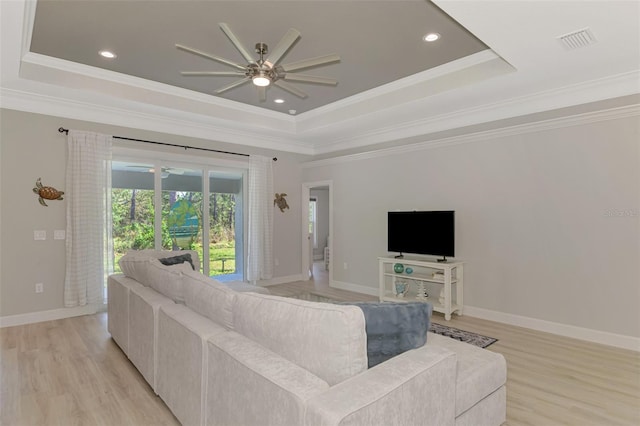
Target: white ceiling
(391,85)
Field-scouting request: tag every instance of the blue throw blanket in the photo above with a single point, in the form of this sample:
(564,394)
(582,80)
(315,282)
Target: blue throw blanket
(393,328)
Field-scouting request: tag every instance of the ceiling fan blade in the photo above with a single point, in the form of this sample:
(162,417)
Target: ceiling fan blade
(262,93)
(304,78)
(211,73)
(210,56)
(310,63)
(233,85)
(236,42)
(283,47)
(289,88)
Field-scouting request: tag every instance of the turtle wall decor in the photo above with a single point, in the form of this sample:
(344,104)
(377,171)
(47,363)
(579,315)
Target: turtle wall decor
(281,202)
(46,192)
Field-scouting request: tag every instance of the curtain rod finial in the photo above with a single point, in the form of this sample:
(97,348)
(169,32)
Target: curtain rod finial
(63,130)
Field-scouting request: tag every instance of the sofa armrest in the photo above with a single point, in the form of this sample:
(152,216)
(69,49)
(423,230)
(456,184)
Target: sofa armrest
(414,388)
(248,384)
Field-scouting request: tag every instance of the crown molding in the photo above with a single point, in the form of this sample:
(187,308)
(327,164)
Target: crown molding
(404,83)
(72,75)
(170,122)
(591,91)
(556,123)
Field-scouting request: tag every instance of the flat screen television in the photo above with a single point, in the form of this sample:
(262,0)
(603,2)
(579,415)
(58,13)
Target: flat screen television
(422,232)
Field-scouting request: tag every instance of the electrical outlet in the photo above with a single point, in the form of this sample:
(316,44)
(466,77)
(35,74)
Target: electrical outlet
(345,266)
(39,235)
(39,287)
(59,234)
(276,262)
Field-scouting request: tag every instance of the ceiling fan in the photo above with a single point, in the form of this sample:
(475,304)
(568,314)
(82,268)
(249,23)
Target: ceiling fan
(265,71)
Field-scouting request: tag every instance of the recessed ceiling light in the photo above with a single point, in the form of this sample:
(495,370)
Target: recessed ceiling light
(107,54)
(278,101)
(431,37)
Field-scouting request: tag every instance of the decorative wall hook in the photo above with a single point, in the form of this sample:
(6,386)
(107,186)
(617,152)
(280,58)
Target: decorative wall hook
(281,202)
(46,193)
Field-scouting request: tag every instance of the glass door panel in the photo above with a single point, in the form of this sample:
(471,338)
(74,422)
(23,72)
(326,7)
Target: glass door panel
(132,207)
(182,209)
(225,226)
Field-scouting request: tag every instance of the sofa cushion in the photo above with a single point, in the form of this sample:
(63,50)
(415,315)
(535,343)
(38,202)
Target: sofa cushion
(174,260)
(133,265)
(133,260)
(393,328)
(208,297)
(164,279)
(480,372)
(328,340)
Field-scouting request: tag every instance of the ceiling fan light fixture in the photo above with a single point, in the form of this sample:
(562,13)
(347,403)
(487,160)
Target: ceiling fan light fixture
(261,80)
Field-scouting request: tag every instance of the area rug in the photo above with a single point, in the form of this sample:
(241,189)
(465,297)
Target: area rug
(461,335)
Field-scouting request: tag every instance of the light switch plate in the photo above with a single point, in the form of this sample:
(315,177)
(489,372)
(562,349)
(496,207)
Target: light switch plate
(39,235)
(59,234)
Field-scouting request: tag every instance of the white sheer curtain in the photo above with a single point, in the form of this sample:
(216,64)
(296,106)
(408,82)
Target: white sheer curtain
(260,232)
(88,197)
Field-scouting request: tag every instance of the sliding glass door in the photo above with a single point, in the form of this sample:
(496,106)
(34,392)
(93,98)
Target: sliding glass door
(157,205)
(182,209)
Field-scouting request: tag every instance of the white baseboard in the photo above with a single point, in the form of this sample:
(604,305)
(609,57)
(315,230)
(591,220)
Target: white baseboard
(572,331)
(52,315)
(356,288)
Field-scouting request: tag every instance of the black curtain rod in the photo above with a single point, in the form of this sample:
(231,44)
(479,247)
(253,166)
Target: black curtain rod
(66,131)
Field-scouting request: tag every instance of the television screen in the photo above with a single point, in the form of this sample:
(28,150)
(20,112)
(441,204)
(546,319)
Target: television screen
(422,232)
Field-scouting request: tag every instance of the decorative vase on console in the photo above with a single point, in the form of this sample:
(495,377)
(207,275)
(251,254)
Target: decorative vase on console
(401,288)
(398,268)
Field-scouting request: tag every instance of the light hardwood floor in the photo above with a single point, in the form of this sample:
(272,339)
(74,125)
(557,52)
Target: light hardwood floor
(70,372)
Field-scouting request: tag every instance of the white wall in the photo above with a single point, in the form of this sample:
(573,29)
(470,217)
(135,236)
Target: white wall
(533,219)
(31,147)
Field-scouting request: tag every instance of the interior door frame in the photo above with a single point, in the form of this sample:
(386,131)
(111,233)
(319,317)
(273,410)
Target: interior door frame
(306,193)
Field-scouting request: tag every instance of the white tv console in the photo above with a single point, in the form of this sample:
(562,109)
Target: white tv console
(445,276)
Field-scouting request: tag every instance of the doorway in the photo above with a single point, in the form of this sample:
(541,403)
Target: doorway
(317,235)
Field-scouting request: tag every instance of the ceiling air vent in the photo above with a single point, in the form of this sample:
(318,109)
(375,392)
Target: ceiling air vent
(577,39)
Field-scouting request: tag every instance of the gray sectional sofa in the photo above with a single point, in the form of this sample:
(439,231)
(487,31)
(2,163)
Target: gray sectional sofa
(217,356)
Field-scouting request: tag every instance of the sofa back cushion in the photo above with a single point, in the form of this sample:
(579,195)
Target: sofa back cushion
(166,280)
(208,297)
(132,263)
(326,339)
